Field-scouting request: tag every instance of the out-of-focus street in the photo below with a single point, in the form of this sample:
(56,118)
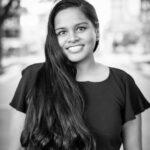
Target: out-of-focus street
(9,82)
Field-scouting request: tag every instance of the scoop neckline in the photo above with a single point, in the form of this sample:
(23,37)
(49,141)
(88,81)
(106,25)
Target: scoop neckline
(97,82)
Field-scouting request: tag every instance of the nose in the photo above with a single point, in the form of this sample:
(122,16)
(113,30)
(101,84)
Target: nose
(73,37)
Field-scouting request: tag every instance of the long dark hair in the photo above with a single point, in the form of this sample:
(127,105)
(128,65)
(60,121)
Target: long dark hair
(54,119)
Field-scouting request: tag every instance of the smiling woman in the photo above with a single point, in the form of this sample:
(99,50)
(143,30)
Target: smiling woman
(77,38)
(71,101)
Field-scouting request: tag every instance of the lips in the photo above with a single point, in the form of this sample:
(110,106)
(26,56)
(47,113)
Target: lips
(75,49)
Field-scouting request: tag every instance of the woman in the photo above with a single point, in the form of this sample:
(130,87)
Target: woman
(71,101)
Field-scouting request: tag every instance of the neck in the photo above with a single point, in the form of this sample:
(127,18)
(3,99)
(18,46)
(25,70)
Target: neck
(85,66)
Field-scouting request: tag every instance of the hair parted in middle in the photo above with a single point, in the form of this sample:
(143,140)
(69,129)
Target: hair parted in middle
(54,118)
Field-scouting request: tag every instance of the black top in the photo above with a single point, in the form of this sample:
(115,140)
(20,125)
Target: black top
(108,104)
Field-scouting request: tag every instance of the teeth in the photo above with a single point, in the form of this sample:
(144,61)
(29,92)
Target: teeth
(75,49)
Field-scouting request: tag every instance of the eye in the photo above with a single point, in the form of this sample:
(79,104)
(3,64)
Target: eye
(81,29)
(61,33)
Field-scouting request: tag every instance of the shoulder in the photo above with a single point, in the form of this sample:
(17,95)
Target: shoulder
(121,74)
(29,74)
(122,79)
(34,68)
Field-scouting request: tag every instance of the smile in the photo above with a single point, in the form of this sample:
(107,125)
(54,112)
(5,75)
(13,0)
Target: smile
(75,49)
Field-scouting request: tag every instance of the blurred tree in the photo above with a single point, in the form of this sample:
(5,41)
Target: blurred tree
(7,9)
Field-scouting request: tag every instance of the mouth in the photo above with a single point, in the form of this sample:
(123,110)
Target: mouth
(75,49)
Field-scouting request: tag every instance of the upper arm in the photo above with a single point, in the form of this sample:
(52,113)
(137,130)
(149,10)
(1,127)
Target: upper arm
(19,99)
(132,134)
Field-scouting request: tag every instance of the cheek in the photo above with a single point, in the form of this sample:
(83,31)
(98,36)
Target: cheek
(91,40)
(91,36)
(61,41)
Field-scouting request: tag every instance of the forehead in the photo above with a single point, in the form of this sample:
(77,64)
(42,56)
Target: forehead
(69,16)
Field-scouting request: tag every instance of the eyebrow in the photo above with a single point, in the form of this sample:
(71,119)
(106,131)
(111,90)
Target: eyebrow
(75,25)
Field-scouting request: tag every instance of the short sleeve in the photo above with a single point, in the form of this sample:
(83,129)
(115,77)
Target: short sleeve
(29,74)
(134,102)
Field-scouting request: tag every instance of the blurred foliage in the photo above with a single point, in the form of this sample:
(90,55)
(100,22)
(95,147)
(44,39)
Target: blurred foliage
(9,9)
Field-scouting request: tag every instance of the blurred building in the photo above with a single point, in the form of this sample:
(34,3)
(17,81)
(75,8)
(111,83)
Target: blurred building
(122,27)
(34,24)
(129,26)
(145,10)
(24,30)
(145,18)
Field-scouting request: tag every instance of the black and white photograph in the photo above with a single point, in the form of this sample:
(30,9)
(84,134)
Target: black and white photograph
(74,74)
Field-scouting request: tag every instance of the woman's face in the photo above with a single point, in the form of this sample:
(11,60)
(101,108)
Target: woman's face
(75,33)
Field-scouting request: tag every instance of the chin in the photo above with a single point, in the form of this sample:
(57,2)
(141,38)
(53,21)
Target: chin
(75,59)
(78,57)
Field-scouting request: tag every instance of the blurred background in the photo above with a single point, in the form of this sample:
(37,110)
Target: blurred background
(124,43)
